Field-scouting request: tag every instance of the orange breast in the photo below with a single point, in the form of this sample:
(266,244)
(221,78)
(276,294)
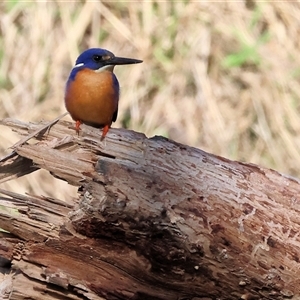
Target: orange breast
(92,97)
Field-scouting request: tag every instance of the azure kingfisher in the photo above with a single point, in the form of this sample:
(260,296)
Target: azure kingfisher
(92,90)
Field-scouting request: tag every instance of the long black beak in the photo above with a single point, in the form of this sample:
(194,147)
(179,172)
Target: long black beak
(122,61)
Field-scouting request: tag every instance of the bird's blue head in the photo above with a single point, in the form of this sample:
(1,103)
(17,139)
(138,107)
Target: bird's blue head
(98,59)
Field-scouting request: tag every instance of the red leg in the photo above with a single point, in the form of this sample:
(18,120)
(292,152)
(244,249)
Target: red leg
(104,131)
(77,126)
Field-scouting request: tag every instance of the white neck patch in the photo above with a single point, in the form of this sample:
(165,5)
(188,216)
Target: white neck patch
(79,65)
(104,68)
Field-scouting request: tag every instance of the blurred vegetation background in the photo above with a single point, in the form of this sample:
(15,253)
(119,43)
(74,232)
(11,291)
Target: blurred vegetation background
(221,76)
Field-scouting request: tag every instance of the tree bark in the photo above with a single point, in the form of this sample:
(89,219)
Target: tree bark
(154,220)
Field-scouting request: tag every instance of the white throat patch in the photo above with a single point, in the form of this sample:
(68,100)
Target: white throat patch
(105,68)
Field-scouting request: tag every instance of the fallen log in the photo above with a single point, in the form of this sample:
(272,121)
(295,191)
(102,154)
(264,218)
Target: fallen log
(154,219)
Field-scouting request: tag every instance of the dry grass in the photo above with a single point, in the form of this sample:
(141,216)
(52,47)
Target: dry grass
(222,76)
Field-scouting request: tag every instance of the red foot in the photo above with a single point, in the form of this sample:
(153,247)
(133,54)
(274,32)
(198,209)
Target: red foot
(104,132)
(77,126)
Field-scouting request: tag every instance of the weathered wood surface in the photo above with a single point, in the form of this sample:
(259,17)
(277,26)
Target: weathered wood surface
(154,220)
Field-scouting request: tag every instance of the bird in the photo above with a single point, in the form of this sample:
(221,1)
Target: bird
(92,89)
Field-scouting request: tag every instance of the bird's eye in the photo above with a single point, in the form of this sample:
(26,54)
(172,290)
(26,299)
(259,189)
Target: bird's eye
(97,58)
